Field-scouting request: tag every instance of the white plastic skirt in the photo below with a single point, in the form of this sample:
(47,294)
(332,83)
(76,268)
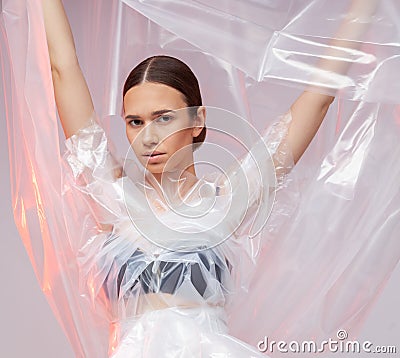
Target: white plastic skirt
(253,246)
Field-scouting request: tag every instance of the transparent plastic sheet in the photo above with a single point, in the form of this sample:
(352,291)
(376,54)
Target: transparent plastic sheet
(180,250)
(329,245)
(188,241)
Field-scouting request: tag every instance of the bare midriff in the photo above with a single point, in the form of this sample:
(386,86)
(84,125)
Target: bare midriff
(158,301)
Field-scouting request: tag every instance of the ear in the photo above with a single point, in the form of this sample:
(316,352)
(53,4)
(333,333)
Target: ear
(199,121)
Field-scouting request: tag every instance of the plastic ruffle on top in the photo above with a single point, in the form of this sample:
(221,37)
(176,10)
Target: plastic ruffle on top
(330,243)
(180,249)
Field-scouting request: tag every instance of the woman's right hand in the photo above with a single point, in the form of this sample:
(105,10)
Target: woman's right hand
(74,103)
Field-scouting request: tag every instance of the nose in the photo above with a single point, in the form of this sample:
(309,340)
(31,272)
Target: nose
(149,135)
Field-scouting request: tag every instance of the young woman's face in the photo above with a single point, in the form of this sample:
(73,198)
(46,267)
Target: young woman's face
(159,128)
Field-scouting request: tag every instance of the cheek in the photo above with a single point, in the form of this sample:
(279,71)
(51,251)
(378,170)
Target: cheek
(179,139)
(131,137)
(180,130)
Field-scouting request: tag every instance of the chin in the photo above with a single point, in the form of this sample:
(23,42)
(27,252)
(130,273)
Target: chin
(155,168)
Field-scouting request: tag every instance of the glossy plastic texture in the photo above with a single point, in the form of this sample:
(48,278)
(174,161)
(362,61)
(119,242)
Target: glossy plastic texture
(178,250)
(324,254)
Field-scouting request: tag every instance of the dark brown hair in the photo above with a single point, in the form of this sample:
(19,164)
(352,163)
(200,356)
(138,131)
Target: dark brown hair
(171,72)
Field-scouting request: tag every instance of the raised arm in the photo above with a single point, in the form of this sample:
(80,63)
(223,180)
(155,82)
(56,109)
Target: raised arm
(310,108)
(74,103)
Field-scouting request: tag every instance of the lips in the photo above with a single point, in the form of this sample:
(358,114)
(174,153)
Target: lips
(152,154)
(154,157)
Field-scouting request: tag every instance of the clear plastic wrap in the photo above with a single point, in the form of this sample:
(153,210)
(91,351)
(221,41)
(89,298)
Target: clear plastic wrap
(179,250)
(328,247)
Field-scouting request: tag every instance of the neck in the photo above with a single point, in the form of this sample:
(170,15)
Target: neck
(188,173)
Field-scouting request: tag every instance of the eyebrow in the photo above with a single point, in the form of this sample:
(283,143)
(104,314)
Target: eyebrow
(153,114)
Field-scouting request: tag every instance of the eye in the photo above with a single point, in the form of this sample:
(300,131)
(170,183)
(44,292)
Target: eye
(135,122)
(164,118)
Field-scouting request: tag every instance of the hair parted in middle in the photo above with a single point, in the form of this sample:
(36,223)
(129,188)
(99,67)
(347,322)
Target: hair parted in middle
(174,73)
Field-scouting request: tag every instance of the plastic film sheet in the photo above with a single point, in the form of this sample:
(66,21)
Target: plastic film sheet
(302,250)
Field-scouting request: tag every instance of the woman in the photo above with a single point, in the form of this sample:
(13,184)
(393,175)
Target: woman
(117,267)
(157,85)
(161,134)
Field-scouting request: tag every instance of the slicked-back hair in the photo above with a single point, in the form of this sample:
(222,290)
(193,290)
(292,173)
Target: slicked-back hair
(171,72)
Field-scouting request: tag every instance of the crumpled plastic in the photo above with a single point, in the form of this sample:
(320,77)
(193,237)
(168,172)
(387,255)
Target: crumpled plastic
(182,248)
(330,243)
